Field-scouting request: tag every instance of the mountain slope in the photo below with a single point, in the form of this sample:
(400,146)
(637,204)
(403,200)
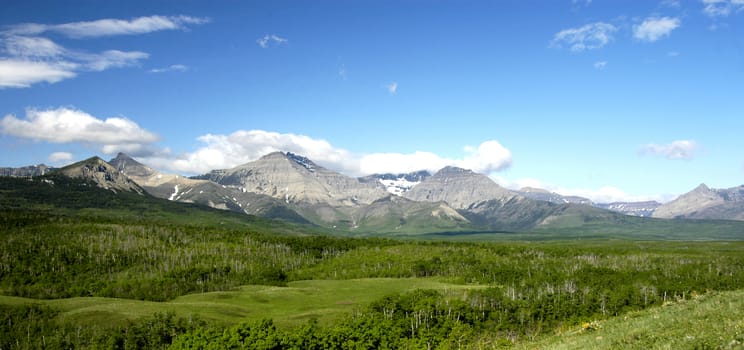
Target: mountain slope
(706,203)
(459,188)
(103,174)
(296,179)
(204,192)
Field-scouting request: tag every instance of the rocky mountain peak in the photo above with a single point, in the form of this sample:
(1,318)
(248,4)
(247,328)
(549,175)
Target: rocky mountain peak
(102,173)
(294,178)
(127,165)
(459,188)
(702,188)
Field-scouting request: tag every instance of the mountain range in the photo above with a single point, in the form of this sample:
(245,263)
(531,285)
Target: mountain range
(294,188)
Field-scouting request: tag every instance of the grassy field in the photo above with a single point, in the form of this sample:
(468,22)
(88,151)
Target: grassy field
(293,305)
(710,321)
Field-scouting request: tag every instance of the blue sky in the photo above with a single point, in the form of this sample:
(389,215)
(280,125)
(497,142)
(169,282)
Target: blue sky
(613,100)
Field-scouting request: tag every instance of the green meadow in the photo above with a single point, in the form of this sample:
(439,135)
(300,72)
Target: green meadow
(82,268)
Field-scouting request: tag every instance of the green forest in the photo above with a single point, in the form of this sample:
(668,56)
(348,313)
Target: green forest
(494,294)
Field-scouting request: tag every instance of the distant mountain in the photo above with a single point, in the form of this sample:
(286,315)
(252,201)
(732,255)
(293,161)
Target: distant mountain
(204,192)
(397,184)
(487,205)
(643,209)
(459,188)
(545,195)
(26,171)
(294,188)
(706,203)
(102,173)
(296,179)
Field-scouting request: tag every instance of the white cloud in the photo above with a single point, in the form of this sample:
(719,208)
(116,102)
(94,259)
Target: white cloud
(392,87)
(30,59)
(21,73)
(227,151)
(60,157)
(654,28)
(680,149)
(109,26)
(171,68)
(21,46)
(269,39)
(591,36)
(600,64)
(488,157)
(722,8)
(111,59)
(66,125)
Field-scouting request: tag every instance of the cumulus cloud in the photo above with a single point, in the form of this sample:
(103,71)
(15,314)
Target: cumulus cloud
(677,150)
(269,39)
(227,151)
(722,8)
(27,58)
(600,64)
(67,125)
(591,36)
(60,157)
(654,28)
(108,26)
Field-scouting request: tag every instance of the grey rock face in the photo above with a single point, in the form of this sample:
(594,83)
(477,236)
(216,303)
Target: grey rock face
(103,174)
(706,203)
(295,179)
(459,188)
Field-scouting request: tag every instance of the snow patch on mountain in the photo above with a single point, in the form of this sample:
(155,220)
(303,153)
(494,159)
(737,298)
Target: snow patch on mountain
(398,186)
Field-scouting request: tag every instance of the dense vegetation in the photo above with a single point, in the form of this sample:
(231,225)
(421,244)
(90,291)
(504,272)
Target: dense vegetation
(133,250)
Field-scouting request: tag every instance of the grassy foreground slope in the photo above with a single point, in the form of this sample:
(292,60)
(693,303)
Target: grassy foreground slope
(710,321)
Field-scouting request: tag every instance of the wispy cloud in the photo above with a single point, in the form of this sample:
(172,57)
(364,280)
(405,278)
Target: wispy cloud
(269,40)
(27,58)
(171,68)
(392,88)
(722,8)
(655,28)
(109,26)
(588,37)
(67,125)
(676,150)
(600,65)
